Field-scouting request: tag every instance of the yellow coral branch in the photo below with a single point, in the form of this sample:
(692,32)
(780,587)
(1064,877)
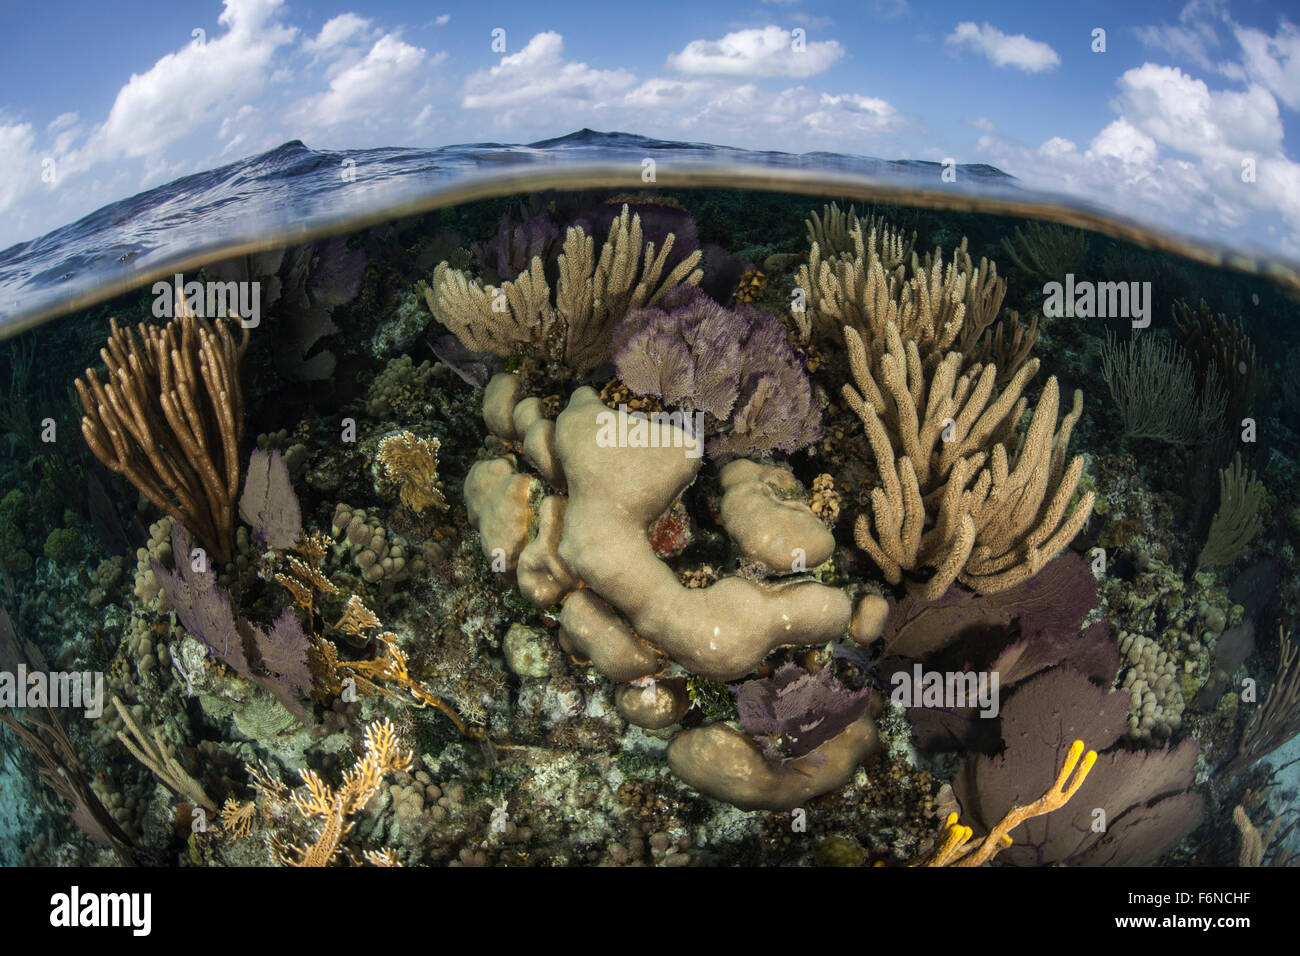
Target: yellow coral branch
(956,848)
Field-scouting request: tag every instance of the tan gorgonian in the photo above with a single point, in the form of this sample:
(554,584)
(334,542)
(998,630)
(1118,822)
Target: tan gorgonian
(951,498)
(593,293)
(169,416)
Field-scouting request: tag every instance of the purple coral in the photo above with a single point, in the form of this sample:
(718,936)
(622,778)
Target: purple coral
(206,611)
(794,711)
(734,364)
(269,503)
(515,244)
(688,355)
(1142,794)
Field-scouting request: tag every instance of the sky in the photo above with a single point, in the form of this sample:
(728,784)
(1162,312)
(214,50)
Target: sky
(1182,114)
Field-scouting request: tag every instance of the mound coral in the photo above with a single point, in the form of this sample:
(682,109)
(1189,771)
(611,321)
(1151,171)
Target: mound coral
(623,607)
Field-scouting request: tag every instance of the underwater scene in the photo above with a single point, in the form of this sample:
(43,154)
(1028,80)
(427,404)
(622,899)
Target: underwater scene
(657,526)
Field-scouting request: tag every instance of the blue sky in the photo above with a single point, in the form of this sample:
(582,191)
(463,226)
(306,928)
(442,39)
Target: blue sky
(98,102)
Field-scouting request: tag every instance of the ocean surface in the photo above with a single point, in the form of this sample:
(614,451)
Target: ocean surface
(292,193)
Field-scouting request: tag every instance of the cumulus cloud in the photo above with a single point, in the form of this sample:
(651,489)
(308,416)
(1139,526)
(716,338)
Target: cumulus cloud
(795,112)
(1183,113)
(336,32)
(391,70)
(194,86)
(769,51)
(1174,156)
(1123,141)
(1032,56)
(539,72)
(1273,61)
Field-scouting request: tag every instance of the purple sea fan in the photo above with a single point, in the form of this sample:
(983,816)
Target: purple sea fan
(776,411)
(204,608)
(687,354)
(794,711)
(515,244)
(269,503)
(733,363)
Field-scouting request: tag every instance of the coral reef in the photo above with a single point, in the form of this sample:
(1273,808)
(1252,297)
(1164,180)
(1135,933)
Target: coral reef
(643,556)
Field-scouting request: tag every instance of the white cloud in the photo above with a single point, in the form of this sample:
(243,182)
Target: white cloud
(658,92)
(1032,56)
(18,146)
(759,52)
(1182,112)
(1174,157)
(62,121)
(539,72)
(982,122)
(1123,141)
(337,32)
(1197,32)
(1273,61)
(194,86)
(1055,147)
(797,111)
(442,19)
(384,76)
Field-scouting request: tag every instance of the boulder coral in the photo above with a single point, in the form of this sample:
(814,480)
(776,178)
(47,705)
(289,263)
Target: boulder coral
(588,548)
